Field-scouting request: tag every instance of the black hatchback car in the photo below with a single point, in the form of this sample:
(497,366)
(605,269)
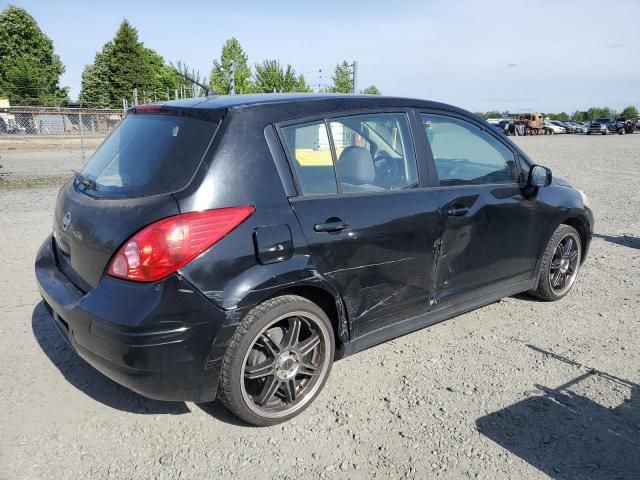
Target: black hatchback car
(233,247)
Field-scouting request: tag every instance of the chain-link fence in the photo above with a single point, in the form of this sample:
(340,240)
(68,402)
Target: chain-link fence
(23,120)
(50,141)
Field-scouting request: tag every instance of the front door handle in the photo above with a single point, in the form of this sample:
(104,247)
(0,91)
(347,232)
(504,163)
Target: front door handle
(457,212)
(334,226)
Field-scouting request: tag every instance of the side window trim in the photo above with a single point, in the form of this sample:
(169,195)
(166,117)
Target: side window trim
(334,156)
(278,152)
(446,113)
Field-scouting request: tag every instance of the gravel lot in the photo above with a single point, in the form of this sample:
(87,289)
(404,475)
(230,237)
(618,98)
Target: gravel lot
(518,389)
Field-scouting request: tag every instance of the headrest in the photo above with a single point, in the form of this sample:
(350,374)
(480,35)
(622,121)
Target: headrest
(355,166)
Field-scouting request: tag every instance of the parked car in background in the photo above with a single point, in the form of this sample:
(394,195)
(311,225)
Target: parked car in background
(233,246)
(504,126)
(9,125)
(551,128)
(605,126)
(567,128)
(579,128)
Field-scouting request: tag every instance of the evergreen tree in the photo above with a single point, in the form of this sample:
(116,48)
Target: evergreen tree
(125,64)
(29,68)
(94,91)
(128,65)
(342,79)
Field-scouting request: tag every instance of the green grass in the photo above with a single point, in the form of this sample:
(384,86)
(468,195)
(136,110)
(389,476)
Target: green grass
(17,183)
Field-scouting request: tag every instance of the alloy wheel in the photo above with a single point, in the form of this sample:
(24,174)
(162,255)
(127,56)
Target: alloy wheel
(565,264)
(285,365)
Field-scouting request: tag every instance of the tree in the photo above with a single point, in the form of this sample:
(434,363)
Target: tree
(629,111)
(125,64)
(184,70)
(94,91)
(342,79)
(492,114)
(29,68)
(128,64)
(220,73)
(595,112)
(371,90)
(270,76)
(163,79)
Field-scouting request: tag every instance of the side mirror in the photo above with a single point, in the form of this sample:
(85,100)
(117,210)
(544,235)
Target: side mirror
(539,176)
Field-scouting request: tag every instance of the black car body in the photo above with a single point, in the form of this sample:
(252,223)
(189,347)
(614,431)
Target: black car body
(403,244)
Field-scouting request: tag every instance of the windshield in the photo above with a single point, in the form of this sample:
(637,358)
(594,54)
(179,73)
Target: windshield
(602,120)
(148,155)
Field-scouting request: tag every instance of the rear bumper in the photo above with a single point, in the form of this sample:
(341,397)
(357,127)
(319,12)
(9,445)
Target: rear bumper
(163,340)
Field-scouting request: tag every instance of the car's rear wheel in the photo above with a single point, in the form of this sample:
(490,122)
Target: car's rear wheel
(560,264)
(278,360)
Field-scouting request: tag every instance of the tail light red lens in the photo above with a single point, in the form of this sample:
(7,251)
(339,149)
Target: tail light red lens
(163,247)
(149,108)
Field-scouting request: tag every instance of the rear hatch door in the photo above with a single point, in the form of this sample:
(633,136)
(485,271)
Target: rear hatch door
(127,184)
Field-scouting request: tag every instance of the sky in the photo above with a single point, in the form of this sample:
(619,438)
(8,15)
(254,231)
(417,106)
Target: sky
(480,55)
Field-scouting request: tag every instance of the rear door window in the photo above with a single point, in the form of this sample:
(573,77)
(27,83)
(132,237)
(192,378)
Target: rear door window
(360,153)
(149,154)
(310,153)
(374,152)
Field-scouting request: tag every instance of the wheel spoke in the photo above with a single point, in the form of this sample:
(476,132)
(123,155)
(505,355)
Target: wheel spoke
(567,247)
(266,341)
(289,389)
(555,279)
(253,372)
(308,344)
(293,333)
(269,389)
(307,369)
(573,255)
(562,280)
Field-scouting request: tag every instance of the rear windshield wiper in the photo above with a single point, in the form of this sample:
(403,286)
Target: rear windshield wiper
(84,180)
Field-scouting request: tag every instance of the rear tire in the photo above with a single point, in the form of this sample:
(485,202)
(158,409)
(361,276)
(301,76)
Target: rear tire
(277,361)
(560,264)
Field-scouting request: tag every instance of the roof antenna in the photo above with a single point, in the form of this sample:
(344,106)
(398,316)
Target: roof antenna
(207,90)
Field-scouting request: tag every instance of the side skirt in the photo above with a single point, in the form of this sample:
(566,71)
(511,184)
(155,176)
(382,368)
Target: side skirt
(430,318)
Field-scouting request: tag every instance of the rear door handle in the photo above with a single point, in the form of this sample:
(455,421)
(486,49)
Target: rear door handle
(330,226)
(457,212)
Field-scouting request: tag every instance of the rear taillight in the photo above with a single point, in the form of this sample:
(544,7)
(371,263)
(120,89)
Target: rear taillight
(163,247)
(149,108)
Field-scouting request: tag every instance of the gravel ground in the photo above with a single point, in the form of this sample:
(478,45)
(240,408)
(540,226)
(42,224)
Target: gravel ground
(41,163)
(518,389)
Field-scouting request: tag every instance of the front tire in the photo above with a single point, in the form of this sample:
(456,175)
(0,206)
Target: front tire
(278,360)
(560,264)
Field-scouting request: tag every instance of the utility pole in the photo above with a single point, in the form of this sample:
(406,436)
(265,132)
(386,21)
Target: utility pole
(354,72)
(232,78)
(135,96)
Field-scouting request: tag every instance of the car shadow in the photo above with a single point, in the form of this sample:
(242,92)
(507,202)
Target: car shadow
(89,380)
(567,435)
(218,411)
(527,297)
(624,240)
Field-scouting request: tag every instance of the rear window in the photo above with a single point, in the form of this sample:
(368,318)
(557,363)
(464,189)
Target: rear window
(148,155)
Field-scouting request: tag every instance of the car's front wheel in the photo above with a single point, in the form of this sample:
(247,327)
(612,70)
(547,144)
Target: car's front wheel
(278,360)
(560,264)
